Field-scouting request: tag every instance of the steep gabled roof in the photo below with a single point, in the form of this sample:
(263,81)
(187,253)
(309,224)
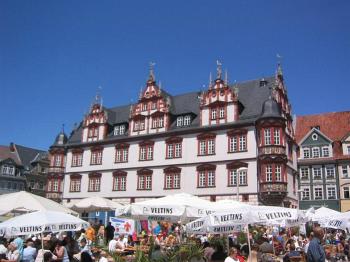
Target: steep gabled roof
(6,153)
(251,96)
(27,154)
(318,132)
(334,125)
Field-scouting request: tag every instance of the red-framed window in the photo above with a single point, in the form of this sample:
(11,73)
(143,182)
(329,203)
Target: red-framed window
(96,156)
(57,160)
(77,158)
(121,153)
(75,183)
(144,179)
(94,182)
(273,172)
(173,147)
(206,144)
(272,136)
(119,181)
(158,122)
(172,178)
(218,112)
(237,170)
(54,184)
(237,141)
(206,176)
(93,132)
(146,150)
(139,125)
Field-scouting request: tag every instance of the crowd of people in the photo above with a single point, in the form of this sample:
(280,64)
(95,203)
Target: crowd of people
(267,244)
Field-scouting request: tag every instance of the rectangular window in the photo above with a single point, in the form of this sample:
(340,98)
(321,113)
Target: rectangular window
(139,125)
(172,181)
(345,171)
(94,184)
(146,152)
(96,157)
(174,150)
(278,173)
(202,147)
(325,151)
(268,171)
(144,107)
(75,185)
(318,193)
(315,152)
(243,177)
(242,142)
(206,178)
(305,194)
(211,147)
(92,133)
(330,172)
(57,160)
(346,192)
(331,193)
(121,155)
(348,147)
(144,182)
(233,144)
(306,152)
(179,121)
(154,105)
(119,183)
(157,122)
(55,185)
(304,173)
(222,112)
(317,173)
(187,120)
(232,177)
(276,136)
(119,130)
(213,114)
(77,159)
(267,137)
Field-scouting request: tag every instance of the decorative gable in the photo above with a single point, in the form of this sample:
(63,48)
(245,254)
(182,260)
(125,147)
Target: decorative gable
(315,137)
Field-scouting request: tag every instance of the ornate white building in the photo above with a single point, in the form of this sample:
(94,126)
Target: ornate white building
(199,142)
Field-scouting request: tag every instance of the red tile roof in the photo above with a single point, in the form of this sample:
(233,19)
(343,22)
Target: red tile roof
(6,153)
(334,125)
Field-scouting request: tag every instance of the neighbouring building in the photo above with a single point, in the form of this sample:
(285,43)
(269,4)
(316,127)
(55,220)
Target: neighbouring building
(23,168)
(324,160)
(227,141)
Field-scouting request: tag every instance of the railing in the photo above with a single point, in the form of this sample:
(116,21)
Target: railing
(273,187)
(272,150)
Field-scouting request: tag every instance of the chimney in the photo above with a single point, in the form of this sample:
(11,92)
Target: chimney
(12,147)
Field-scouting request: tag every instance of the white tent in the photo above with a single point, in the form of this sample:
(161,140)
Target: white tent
(177,207)
(95,203)
(341,221)
(24,202)
(41,221)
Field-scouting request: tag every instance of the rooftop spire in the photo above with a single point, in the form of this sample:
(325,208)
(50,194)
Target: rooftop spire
(279,71)
(151,71)
(226,78)
(218,69)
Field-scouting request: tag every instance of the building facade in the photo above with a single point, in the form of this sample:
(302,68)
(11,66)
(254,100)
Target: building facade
(323,160)
(225,142)
(23,168)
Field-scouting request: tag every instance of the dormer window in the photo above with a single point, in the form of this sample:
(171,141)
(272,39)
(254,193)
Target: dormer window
(154,105)
(119,130)
(183,121)
(325,151)
(158,122)
(315,152)
(144,107)
(187,120)
(306,152)
(8,170)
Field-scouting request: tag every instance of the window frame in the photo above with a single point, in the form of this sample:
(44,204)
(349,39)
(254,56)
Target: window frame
(313,173)
(306,153)
(94,184)
(318,187)
(206,145)
(171,177)
(334,190)
(119,181)
(77,159)
(314,150)
(75,184)
(302,174)
(302,194)
(348,192)
(96,157)
(146,151)
(325,149)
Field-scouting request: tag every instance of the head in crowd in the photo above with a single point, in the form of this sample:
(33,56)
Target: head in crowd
(30,243)
(47,256)
(233,252)
(318,232)
(85,257)
(12,246)
(83,242)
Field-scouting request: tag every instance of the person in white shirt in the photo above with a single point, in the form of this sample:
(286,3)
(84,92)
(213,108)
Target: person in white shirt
(232,255)
(12,254)
(112,245)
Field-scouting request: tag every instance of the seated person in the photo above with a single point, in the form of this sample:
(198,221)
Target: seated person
(291,253)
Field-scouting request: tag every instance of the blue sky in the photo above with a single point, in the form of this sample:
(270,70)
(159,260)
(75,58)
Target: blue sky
(55,54)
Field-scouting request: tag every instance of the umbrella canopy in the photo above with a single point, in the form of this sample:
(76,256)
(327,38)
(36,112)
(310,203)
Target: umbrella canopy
(93,204)
(237,218)
(41,221)
(324,214)
(340,221)
(177,207)
(23,201)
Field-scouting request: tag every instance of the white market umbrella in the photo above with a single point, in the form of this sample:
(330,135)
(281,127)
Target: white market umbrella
(94,204)
(324,214)
(41,221)
(177,207)
(341,221)
(24,202)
